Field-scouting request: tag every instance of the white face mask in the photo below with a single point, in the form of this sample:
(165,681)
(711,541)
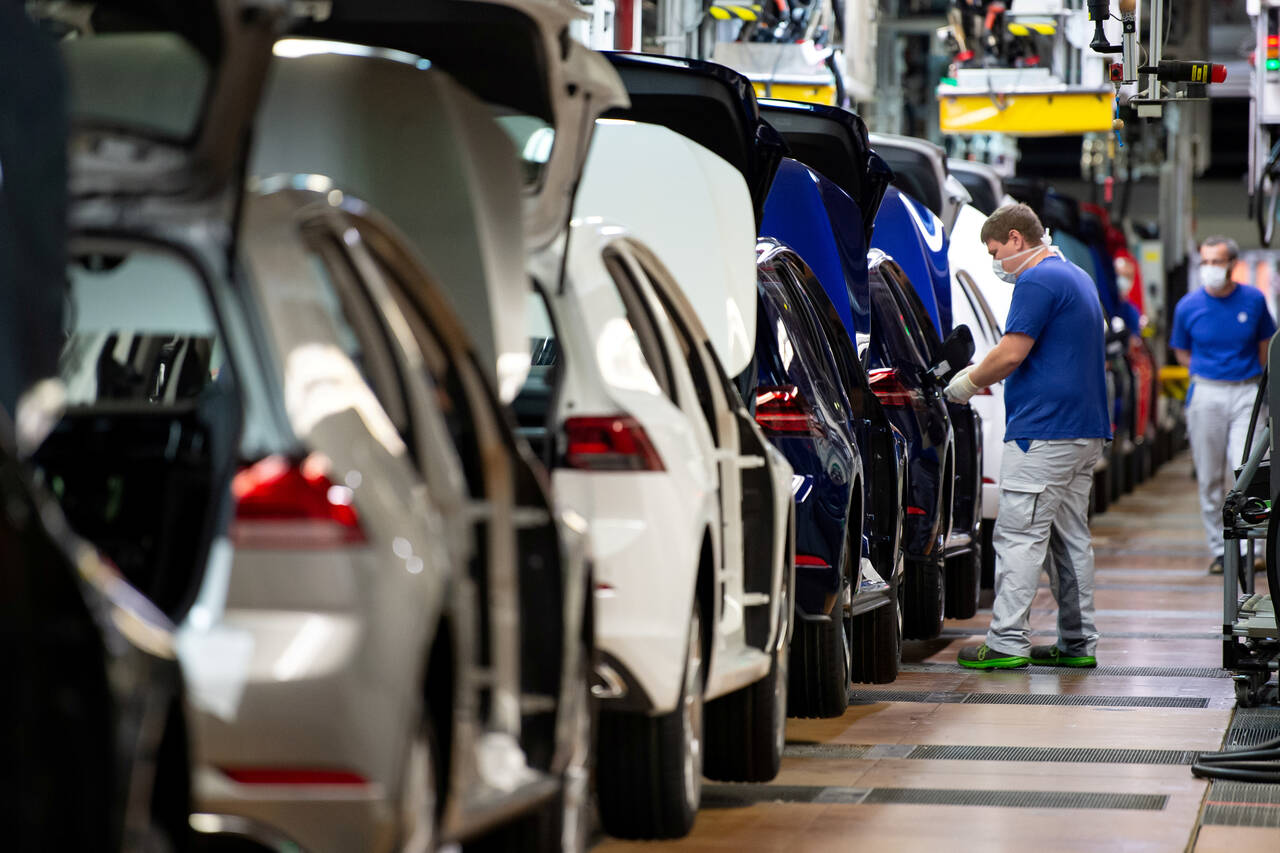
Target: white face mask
(1213,278)
(997,264)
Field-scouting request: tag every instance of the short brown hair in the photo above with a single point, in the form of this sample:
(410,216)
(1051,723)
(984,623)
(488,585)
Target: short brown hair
(1233,248)
(1012,217)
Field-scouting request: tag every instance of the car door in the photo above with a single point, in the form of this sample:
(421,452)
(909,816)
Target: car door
(747,496)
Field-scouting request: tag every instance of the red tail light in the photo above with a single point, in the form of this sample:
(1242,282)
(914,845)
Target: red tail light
(610,443)
(887,385)
(915,510)
(811,562)
(987,481)
(282,504)
(292,776)
(781,410)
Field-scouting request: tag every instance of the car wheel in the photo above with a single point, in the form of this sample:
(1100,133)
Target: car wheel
(988,554)
(418,807)
(649,769)
(1101,490)
(925,596)
(819,669)
(963,579)
(747,730)
(877,646)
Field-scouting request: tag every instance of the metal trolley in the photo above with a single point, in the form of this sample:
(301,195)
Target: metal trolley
(1250,639)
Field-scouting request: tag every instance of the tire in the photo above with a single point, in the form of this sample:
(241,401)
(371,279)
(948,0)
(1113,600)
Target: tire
(924,599)
(746,731)
(1101,490)
(988,554)
(649,768)
(819,669)
(877,641)
(962,587)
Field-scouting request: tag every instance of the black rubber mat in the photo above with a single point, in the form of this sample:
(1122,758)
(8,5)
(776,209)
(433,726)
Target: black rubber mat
(930,752)
(724,796)
(1060,672)
(1242,804)
(867,697)
(1017,799)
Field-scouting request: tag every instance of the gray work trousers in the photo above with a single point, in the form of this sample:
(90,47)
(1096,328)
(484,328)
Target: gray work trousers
(1043,524)
(1217,425)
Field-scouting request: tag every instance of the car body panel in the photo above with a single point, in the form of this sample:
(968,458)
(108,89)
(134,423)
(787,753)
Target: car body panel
(834,142)
(714,205)
(913,236)
(920,170)
(711,104)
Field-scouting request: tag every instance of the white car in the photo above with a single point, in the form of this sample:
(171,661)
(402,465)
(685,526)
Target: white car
(980,300)
(687,507)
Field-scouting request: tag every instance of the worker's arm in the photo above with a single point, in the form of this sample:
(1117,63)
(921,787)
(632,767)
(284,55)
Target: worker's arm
(1002,360)
(1262,352)
(1184,356)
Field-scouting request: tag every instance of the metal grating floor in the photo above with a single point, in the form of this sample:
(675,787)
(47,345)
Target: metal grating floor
(1131,635)
(866,697)
(1017,799)
(1062,754)
(732,796)
(1242,804)
(1060,672)
(931,752)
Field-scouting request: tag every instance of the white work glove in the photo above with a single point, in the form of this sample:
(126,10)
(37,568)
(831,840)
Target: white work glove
(961,387)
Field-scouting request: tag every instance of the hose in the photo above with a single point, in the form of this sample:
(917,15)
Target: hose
(1257,764)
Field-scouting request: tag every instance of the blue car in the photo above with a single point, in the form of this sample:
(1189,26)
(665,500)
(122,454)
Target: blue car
(848,522)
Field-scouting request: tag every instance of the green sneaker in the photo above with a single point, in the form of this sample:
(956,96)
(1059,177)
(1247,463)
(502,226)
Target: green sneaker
(981,657)
(1053,656)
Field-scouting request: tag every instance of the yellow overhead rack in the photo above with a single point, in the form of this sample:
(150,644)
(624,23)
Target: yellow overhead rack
(808,93)
(1025,113)
(735,12)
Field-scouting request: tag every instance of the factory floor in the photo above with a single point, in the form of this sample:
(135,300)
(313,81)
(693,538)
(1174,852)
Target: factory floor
(1038,759)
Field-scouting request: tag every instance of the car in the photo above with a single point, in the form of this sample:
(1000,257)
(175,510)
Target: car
(380,541)
(848,507)
(97,686)
(915,238)
(985,186)
(687,508)
(907,382)
(920,170)
(980,300)
(801,213)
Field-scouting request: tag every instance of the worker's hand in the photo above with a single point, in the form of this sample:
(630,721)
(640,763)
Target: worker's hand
(961,388)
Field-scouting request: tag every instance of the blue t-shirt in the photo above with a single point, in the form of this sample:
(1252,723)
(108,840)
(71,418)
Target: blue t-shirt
(1060,389)
(1223,332)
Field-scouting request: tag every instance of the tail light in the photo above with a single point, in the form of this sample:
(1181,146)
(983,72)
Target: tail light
(807,561)
(284,504)
(292,776)
(609,443)
(782,410)
(887,385)
(987,481)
